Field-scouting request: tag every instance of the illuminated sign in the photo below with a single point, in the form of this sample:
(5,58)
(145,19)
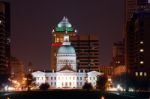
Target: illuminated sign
(56,44)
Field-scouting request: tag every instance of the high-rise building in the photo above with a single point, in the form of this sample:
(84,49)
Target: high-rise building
(4,42)
(132,6)
(137,48)
(118,57)
(86,46)
(87,50)
(17,69)
(58,37)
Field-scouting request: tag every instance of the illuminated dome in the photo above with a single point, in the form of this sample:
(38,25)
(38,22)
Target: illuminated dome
(66,55)
(66,49)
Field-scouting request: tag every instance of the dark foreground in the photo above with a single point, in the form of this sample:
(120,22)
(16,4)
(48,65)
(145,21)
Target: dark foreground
(72,94)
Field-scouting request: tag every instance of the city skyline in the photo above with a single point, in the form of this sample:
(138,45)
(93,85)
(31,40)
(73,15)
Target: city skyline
(32,23)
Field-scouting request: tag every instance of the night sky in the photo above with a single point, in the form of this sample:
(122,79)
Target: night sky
(32,22)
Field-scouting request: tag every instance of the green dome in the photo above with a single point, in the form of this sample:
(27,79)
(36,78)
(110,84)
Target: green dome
(64,25)
(66,49)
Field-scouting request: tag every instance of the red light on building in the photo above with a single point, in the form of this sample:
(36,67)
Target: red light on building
(56,44)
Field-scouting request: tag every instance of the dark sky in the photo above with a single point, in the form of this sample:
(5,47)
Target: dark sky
(32,22)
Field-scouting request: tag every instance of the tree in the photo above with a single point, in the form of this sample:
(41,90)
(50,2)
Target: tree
(101,82)
(87,86)
(29,81)
(44,86)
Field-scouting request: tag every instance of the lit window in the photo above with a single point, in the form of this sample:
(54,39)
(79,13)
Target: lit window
(141,50)
(55,54)
(136,73)
(57,39)
(145,74)
(141,73)
(141,62)
(0,21)
(141,42)
(61,39)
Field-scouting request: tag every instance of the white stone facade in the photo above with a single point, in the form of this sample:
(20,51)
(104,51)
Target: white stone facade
(66,79)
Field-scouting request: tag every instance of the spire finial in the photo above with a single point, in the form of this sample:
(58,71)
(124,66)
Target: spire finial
(66,31)
(64,18)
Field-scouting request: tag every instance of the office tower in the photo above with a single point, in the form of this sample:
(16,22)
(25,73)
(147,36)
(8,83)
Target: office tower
(87,50)
(118,57)
(4,42)
(137,48)
(132,6)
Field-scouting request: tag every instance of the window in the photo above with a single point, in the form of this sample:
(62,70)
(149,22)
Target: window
(80,78)
(145,74)
(51,78)
(46,78)
(37,78)
(90,78)
(70,83)
(77,84)
(136,73)
(141,73)
(57,39)
(141,50)
(93,78)
(141,62)
(80,83)
(141,42)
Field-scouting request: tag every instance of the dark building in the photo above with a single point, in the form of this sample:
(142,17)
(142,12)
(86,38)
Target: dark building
(17,69)
(130,7)
(4,42)
(137,49)
(87,51)
(133,5)
(118,62)
(107,70)
(118,57)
